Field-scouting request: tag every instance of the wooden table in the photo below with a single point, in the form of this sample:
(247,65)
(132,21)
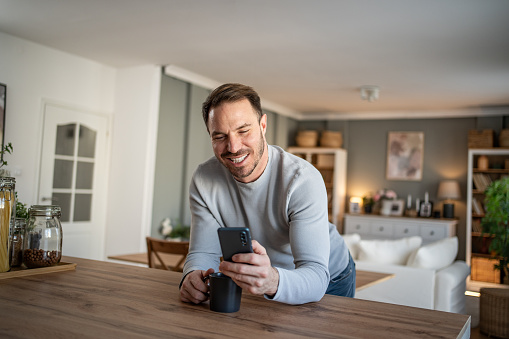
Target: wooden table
(108,300)
(364,278)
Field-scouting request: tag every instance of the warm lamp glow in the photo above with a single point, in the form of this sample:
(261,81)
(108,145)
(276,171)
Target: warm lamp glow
(449,190)
(356,200)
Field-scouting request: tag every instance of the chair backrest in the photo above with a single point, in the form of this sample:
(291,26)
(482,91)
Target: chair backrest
(155,248)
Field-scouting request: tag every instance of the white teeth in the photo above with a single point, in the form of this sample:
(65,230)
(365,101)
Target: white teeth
(237,160)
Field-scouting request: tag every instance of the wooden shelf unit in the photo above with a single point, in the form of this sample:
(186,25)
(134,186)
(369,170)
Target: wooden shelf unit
(477,253)
(331,162)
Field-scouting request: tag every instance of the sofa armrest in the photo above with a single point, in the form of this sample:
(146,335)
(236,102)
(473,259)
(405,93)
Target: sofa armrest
(450,286)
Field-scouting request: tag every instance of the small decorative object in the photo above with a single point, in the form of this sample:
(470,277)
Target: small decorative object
(503,138)
(307,138)
(331,139)
(42,244)
(405,155)
(367,203)
(18,233)
(450,191)
(7,203)
(355,204)
(397,208)
(496,224)
(381,196)
(483,163)
(426,209)
(178,232)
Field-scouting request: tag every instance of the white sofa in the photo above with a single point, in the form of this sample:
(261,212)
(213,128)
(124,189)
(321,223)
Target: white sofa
(424,276)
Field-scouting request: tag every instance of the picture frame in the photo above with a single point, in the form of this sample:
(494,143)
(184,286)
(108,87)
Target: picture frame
(405,155)
(397,207)
(3,101)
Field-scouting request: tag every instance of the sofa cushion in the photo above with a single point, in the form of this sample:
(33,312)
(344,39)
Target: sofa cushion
(394,252)
(352,240)
(436,255)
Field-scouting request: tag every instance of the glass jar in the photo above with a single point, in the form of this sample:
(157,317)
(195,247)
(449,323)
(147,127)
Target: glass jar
(18,233)
(7,206)
(43,236)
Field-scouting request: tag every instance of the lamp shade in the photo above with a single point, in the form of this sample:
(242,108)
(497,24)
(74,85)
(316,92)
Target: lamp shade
(449,189)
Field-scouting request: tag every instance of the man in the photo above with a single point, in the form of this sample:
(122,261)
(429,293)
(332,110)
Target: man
(298,255)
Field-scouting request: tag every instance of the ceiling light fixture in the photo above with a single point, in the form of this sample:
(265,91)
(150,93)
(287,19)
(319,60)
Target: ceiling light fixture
(370,93)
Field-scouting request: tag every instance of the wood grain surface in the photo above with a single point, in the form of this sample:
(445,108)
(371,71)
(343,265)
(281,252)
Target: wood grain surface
(108,300)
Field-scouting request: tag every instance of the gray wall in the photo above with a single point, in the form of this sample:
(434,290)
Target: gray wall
(445,156)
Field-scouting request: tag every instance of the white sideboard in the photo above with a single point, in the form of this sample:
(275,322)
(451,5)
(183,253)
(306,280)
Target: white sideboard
(388,227)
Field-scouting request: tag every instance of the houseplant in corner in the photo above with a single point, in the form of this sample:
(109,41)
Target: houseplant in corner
(496,223)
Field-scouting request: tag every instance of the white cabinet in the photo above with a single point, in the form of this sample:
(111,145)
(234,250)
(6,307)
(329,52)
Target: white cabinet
(331,162)
(382,227)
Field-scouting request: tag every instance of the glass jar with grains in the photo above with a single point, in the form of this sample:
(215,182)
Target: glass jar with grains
(43,236)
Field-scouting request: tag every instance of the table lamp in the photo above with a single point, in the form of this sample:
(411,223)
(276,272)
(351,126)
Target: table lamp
(449,190)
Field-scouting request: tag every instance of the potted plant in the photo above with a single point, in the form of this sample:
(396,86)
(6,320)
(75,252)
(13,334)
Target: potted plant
(368,202)
(496,223)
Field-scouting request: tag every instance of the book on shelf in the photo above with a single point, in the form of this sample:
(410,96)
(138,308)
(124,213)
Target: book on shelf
(477,207)
(481,181)
(476,226)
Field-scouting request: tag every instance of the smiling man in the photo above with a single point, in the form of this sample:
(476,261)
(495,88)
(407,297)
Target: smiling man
(298,255)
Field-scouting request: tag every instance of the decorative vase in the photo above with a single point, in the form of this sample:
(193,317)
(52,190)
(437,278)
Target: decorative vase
(368,209)
(386,207)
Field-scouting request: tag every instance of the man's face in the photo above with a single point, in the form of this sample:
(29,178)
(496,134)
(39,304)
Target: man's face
(238,140)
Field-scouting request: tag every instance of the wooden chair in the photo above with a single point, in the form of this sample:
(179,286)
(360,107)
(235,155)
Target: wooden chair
(156,247)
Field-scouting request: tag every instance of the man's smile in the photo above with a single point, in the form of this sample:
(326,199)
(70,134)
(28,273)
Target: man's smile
(238,160)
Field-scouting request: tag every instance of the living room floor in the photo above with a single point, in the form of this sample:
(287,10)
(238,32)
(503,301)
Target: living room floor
(473,305)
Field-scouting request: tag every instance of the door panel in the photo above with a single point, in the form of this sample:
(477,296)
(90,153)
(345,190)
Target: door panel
(73,175)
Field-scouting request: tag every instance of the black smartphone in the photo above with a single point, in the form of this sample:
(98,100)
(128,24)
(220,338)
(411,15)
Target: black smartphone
(234,240)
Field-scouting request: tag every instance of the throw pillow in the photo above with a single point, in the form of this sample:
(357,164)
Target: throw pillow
(388,251)
(352,240)
(436,255)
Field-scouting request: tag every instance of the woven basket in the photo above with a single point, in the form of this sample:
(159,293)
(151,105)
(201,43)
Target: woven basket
(503,138)
(307,138)
(483,139)
(494,312)
(331,139)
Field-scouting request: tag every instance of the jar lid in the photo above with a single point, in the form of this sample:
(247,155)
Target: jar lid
(45,210)
(7,182)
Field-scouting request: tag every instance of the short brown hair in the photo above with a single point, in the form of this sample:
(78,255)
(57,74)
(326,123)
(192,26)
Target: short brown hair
(231,93)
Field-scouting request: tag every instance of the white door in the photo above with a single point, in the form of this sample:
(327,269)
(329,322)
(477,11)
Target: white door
(73,175)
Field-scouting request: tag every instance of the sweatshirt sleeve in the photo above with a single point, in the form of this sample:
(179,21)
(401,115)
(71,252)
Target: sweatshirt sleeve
(204,249)
(309,240)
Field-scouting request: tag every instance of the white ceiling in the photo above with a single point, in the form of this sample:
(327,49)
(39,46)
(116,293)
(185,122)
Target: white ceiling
(309,56)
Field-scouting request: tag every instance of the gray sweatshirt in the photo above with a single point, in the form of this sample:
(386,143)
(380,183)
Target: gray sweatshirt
(286,212)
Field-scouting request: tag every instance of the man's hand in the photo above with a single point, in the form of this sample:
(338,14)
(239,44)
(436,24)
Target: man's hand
(252,271)
(194,289)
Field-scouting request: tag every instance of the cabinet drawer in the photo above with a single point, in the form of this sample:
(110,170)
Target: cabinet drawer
(404,231)
(432,233)
(357,226)
(382,229)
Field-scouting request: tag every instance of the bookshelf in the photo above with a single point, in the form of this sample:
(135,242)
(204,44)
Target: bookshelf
(478,180)
(331,162)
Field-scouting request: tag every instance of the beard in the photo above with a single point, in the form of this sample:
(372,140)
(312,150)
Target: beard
(246,170)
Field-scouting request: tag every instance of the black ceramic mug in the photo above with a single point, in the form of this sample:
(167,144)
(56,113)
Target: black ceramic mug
(225,294)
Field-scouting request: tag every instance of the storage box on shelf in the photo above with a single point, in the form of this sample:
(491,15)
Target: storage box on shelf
(479,178)
(331,162)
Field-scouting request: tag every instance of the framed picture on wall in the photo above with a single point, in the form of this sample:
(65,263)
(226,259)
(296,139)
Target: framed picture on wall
(3,96)
(405,152)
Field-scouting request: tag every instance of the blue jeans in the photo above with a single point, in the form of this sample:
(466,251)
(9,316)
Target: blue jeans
(344,284)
